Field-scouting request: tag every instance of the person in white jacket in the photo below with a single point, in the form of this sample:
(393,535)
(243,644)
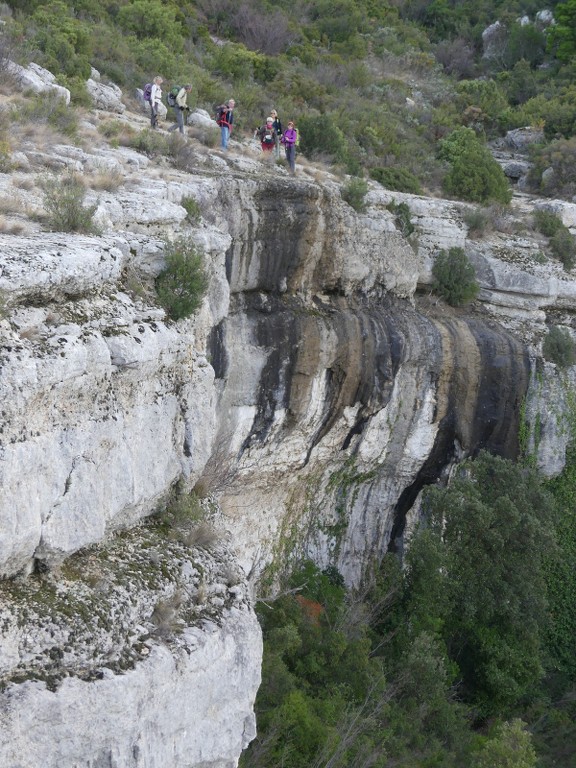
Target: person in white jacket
(181,108)
(157,108)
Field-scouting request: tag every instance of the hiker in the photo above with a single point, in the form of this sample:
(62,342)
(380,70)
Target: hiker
(290,139)
(278,128)
(225,118)
(157,108)
(267,135)
(180,108)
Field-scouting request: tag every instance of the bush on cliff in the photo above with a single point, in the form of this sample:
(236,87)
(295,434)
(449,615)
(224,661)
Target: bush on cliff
(64,204)
(559,347)
(183,283)
(354,193)
(454,277)
(474,175)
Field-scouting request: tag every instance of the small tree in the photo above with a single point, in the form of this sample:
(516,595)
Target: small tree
(559,347)
(454,277)
(354,193)
(183,283)
(64,204)
(474,174)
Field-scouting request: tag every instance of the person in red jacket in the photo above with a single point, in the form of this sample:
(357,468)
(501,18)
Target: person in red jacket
(267,135)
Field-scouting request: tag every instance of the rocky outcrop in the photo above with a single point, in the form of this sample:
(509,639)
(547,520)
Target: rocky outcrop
(315,393)
(37,79)
(141,653)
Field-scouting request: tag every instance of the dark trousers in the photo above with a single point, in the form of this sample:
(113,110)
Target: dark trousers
(290,150)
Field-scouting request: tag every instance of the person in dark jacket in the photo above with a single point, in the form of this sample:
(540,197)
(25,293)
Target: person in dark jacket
(278,128)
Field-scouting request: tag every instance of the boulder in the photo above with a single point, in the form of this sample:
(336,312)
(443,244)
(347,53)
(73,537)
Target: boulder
(37,79)
(105,97)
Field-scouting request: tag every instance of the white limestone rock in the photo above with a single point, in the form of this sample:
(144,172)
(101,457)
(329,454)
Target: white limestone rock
(37,79)
(105,97)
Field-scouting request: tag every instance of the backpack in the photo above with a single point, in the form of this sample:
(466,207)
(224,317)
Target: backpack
(172,93)
(269,136)
(219,114)
(147,92)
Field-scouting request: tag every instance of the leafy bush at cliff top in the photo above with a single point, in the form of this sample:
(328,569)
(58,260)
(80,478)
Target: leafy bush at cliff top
(474,174)
(183,283)
(454,277)
(398,179)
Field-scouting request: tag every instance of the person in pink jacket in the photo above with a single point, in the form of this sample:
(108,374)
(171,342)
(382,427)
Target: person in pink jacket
(290,139)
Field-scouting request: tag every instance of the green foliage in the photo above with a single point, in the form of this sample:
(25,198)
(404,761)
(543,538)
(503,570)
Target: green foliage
(562,37)
(547,222)
(554,171)
(45,109)
(563,247)
(559,347)
(149,142)
(64,40)
(354,193)
(183,282)
(474,174)
(193,212)
(398,179)
(402,217)
(151,19)
(510,746)
(561,572)
(487,538)
(485,95)
(454,277)
(64,204)
(525,42)
(478,221)
(320,136)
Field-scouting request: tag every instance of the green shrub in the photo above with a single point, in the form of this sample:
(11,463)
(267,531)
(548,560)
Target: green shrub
(547,222)
(193,212)
(402,217)
(79,95)
(478,221)
(454,277)
(474,174)
(563,247)
(149,142)
(151,19)
(558,160)
(559,347)
(398,179)
(64,40)
(182,284)
(354,193)
(45,109)
(64,204)
(321,136)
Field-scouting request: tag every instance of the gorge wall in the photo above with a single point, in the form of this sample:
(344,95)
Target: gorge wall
(318,389)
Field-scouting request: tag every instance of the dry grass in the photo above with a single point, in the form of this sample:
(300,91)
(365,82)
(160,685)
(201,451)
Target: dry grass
(32,333)
(106,179)
(202,535)
(23,182)
(10,205)
(11,227)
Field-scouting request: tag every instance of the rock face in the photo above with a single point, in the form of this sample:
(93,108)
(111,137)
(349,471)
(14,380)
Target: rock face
(315,393)
(147,654)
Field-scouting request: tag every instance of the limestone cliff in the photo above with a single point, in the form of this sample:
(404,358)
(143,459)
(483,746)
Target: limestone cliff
(314,394)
